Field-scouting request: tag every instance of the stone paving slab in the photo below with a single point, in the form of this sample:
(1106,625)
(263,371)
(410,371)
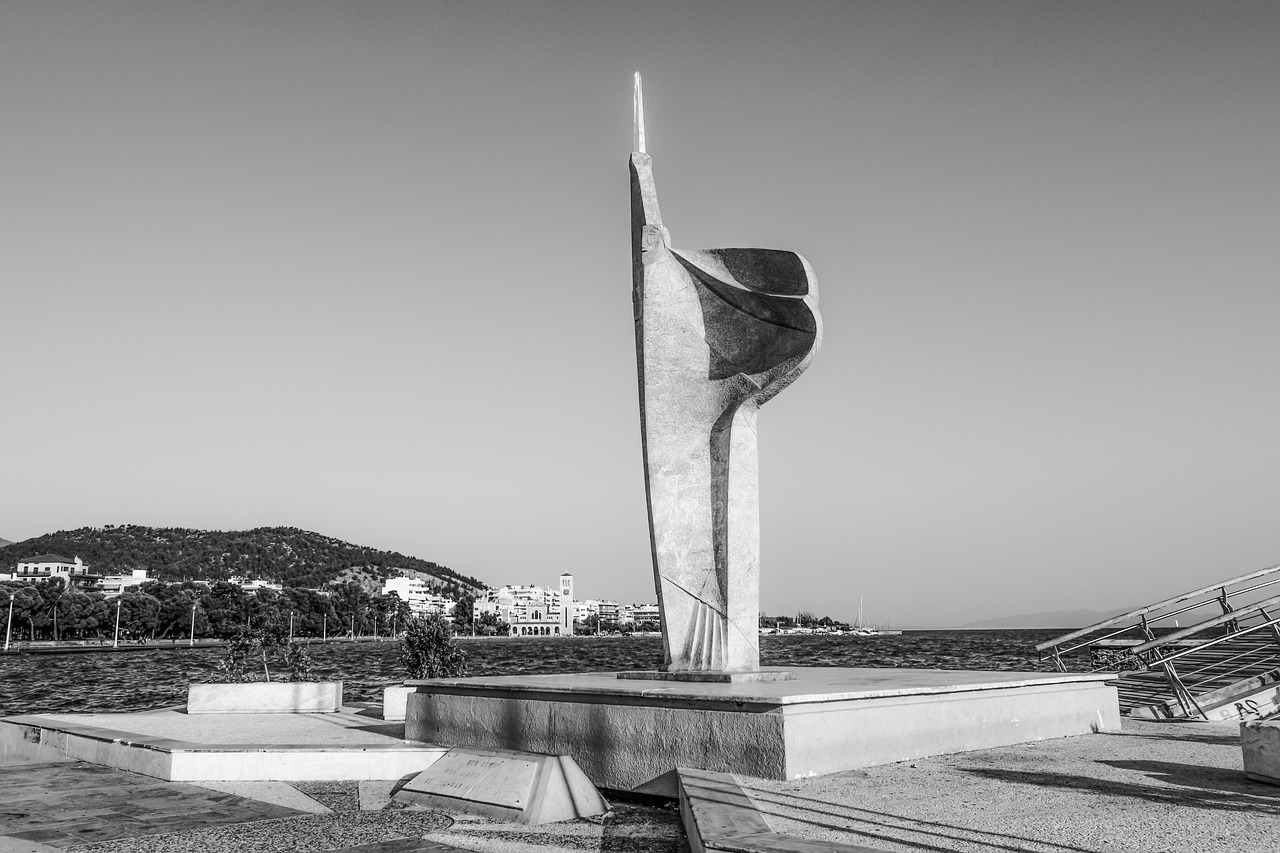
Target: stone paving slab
(63,804)
(18,845)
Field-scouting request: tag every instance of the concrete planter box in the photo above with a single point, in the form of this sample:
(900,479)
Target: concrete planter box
(265,697)
(395,700)
(1260,740)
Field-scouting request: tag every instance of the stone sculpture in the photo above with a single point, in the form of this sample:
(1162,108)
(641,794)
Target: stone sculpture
(718,333)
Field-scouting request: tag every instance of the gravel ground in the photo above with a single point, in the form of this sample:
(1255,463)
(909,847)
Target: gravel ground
(1151,787)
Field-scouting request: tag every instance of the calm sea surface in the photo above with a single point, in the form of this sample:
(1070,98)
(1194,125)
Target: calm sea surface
(134,681)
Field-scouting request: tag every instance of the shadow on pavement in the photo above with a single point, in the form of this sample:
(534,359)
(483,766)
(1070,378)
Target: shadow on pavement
(1193,776)
(875,826)
(1190,793)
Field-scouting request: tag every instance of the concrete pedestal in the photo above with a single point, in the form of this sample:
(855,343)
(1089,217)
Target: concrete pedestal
(631,734)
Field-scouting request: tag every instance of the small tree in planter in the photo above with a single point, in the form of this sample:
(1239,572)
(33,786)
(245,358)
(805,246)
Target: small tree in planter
(252,648)
(242,682)
(428,649)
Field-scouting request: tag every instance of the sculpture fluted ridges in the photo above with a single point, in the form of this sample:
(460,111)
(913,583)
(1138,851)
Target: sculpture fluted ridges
(718,333)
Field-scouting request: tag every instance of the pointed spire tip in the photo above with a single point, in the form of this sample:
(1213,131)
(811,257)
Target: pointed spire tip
(637,143)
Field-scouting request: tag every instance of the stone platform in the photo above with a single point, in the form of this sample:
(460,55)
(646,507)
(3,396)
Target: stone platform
(631,734)
(173,745)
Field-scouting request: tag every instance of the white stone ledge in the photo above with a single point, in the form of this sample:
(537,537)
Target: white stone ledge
(266,697)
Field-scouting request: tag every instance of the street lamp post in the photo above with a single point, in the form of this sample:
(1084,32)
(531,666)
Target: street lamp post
(291,626)
(8,628)
(324,628)
(192,641)
(116,643)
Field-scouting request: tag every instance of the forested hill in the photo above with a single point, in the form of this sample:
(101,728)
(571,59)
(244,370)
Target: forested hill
(286,555)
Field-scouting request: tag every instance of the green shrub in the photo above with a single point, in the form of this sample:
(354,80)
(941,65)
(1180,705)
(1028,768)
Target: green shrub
(428,649)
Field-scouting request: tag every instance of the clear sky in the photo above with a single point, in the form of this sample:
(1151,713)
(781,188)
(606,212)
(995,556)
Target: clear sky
(363,268)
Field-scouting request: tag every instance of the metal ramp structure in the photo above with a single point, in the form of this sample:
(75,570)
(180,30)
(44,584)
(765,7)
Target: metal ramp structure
(1226,665)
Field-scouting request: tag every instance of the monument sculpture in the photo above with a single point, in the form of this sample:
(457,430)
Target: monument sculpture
(718,333)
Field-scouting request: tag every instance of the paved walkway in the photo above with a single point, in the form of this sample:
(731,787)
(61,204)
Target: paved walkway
(1151,788)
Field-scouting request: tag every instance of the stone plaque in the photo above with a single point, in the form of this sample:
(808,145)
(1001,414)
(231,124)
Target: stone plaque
(479,777)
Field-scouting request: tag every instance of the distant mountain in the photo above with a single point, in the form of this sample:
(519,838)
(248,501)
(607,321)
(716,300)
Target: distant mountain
(285,555)
(1048,619)
(4,542)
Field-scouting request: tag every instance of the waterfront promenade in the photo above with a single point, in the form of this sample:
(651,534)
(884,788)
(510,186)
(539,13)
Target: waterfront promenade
(1151,787)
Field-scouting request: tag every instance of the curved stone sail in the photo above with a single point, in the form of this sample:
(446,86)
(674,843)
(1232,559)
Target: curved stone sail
(718,333)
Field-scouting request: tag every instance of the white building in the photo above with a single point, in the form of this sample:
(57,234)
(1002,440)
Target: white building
(646,613)
(73,573)
(113,585)
(530,611)
(418,595)
(610,612)
(516,601)
(254,584)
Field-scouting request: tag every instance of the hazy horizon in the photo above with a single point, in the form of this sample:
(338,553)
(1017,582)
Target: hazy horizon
(362,268)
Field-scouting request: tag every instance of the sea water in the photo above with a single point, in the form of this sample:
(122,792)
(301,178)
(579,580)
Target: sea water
(140,680)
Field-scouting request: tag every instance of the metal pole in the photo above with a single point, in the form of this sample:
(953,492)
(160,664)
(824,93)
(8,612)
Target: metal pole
(116,643)
(353,625)
(193,625)
(291,626)
(8,628)
(324,627)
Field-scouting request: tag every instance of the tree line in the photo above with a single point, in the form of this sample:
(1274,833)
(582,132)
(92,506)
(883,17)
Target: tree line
(154,610)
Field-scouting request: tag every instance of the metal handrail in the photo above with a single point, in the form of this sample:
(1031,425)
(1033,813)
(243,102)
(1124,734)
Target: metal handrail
(1088,641)
(1216,641)
(1188,661)
(1233,616)
(1154,608)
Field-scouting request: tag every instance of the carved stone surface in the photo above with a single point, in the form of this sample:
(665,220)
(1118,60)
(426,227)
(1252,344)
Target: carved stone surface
(718,333)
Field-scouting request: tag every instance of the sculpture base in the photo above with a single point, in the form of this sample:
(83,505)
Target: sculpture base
(703,677)
(630,734)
